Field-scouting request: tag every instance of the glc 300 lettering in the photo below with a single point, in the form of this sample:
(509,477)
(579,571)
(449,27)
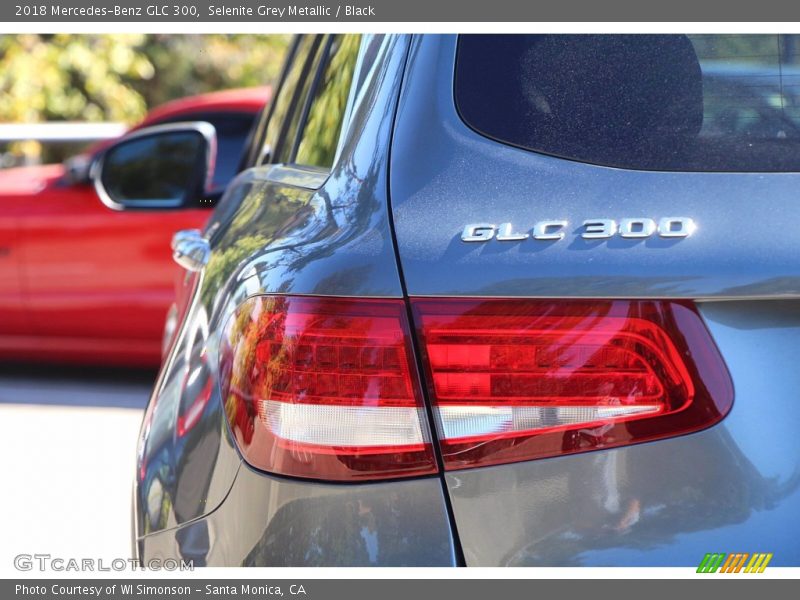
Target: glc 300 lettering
(590,229)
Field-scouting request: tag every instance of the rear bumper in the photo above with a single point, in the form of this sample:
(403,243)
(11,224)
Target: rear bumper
(732,488)
(271,521)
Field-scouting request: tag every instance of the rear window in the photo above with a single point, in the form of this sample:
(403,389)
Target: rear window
(661,102)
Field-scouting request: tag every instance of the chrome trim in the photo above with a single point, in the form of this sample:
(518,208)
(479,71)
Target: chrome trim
(190,249)
(505,233)
(478,232)
(665,227)
(549,230)
(628,227)
(599,229)
(299,176)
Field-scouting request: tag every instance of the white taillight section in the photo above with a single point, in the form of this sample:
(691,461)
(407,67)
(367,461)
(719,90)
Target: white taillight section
(344,426)
(462,422)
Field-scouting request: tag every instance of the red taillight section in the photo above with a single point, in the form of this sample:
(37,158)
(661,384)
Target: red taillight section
(325,389)
(522,379)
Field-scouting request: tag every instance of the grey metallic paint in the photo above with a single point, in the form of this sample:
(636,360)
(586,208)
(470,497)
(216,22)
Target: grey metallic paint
(732,488)
(287,229)
(269,521)
(445,175)
(281,229)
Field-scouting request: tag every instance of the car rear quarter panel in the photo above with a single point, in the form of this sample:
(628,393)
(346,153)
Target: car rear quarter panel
(289,230)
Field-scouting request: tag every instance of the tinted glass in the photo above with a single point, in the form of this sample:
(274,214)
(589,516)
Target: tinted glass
(320,138)
(292,124)
(232,133)
(159,169)
(664,102)
(253,155)
(288,96)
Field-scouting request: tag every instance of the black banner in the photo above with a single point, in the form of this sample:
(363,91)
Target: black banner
(395,589)
(277,11)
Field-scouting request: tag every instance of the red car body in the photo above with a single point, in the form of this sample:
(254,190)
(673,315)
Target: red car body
(83,283)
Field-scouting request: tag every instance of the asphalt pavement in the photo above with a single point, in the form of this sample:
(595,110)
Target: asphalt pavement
(67,441)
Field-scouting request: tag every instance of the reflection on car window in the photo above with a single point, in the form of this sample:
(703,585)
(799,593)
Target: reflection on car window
(320,136)
(288,96)
(152,169)
(751,85)
(665,102)
(291,126)
(232,130)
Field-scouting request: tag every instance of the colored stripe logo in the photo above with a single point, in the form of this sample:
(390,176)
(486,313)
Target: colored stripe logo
(734,563)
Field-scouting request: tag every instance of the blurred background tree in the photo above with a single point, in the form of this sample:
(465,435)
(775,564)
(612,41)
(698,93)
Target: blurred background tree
(184,65)
(75,77)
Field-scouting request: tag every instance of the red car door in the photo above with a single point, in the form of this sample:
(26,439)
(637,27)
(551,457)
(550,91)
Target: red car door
(94,274)
(17,185)
(98,281)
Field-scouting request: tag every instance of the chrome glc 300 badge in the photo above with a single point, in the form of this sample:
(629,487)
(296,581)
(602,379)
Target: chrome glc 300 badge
(590,229)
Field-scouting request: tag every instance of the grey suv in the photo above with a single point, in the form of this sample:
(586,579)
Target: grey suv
(489,300)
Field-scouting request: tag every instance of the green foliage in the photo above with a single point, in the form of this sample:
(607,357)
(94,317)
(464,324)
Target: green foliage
(321,133)
(222,264)
(258,223)
(184,65)
(119,77)
(72,77)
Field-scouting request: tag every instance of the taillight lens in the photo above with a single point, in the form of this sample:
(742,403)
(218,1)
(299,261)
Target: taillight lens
(325,388)
(521,379)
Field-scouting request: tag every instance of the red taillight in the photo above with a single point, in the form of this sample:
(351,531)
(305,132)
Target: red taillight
(325,389)
(521,379)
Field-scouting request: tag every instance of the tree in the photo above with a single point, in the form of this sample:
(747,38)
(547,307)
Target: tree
(72,77)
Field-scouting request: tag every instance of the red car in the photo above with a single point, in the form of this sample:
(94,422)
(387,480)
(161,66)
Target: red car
(83,283)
